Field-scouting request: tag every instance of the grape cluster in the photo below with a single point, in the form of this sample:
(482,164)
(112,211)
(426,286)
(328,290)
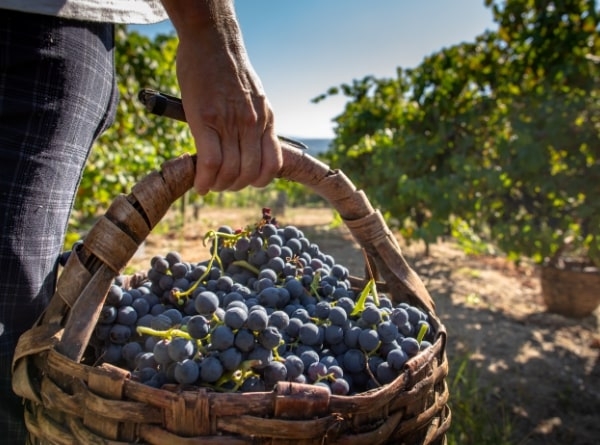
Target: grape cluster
(267,306)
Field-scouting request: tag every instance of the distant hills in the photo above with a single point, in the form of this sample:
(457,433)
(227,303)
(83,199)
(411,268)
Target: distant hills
(315,145)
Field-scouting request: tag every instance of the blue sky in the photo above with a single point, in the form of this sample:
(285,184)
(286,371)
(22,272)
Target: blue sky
(301,48)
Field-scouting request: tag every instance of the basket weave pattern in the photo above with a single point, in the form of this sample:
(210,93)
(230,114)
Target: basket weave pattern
(70,400)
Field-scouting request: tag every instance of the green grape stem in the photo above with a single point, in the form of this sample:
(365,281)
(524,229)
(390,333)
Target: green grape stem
(421,334)
(314,285)
(276,356)
(168,334)
(370,289)
(238,377)
(246,265)
(211,234)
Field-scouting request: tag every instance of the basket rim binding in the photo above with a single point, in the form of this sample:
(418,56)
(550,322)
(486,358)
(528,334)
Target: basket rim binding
(64,329)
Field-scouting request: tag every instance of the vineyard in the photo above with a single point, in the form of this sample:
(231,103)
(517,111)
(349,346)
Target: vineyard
(484,160)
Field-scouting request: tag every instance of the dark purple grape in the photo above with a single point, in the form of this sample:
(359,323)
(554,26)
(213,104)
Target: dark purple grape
(143,375)
(309,334)
(268,230)
(274,252)
(294,365)
(127,315)
(256,243)
(337,316)
(211,369)
(224,283)
(231,359)
(222,338)
(284,297)
(119,334)
(368,340)
(385,373)
(180,348)
(257,320)
(108,314)
(244,340)
(258,258)
(316,371)
(387,331)
(279,319)
(145,320)
(130,351)
(334,334)
(397,358)
(262,354)
(141,306)
(268,273)
(269,296)
(186,372)
(371,314)
(166,282)
(161,352)
(235,317)
(253,384)
(293,327)
(161,322)
(149,343)
(335,371)
(295,288)
(301,314)
(157,381)
(173,257)
(290,232)
(322,309)
(415,315)
(410,346)
(274,372)
(146,360)
(347,304)
(354,361)
(406,329)
(294,245)
(198,327)
(351,336)
(308,357)
(234,296)
(339,271)
(340,386)
(179,270)
(206,302)
(114,295)
(270,337)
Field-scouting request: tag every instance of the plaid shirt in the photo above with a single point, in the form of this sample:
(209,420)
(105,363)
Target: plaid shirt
(57,94)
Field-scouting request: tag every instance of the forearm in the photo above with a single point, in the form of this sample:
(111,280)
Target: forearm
(191,17)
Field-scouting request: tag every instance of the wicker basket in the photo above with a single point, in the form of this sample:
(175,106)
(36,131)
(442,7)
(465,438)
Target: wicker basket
(70,402)
(571,291)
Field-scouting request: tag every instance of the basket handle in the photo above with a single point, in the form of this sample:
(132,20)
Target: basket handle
(367,227)
(115,237)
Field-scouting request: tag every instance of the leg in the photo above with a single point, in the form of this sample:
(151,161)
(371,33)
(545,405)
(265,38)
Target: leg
(57,94)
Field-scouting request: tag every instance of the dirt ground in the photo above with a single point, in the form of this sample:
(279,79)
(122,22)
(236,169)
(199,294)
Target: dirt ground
(539,371)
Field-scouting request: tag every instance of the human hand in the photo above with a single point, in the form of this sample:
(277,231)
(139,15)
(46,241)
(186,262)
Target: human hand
(225,105)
